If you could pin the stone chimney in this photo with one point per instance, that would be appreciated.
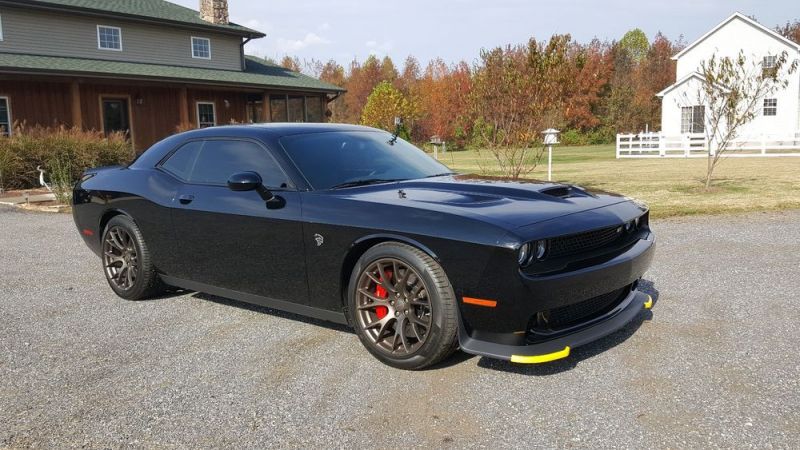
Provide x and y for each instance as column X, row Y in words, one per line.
column 214, row 11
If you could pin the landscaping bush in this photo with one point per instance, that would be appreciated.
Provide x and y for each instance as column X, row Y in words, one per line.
column 602, row 135
column 64, row 153
column 574, row 137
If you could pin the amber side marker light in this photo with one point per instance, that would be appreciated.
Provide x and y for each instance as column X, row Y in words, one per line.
column 649, row 303
column 480, row 302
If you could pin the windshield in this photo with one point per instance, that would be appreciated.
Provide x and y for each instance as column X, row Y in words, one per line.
column 340, row 159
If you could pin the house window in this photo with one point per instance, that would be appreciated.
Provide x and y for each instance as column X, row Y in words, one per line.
column 693, row 119
column 297, row 109
column 1, row 28
column 768, row 66
column 201, row 48
column 5, row 117
column 770, row 106
column 314, row 109
column 277, row 108
column 206, row 116
column 109, row 38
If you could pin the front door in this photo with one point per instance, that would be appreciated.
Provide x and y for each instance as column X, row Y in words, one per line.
column 115, row 116
column 230, row 239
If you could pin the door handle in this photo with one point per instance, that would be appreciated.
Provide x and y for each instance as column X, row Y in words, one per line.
column 185, row 199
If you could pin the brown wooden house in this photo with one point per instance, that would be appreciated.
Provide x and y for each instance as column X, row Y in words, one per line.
column 144, row 67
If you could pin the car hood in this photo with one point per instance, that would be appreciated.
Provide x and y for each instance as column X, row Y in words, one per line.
column 509, row 203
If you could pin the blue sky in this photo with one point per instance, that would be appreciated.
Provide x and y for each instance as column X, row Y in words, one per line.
column 458, row 29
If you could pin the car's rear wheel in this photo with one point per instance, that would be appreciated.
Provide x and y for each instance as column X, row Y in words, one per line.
column 126, row 259
column 403, row 306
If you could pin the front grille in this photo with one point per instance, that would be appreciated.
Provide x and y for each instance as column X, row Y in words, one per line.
column 584, row 242
column 577, row 313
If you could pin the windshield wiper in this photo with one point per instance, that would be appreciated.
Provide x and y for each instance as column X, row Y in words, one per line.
column 365, row 182
column 441, row 175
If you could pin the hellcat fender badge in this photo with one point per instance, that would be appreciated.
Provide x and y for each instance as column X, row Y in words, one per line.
column 319, row 239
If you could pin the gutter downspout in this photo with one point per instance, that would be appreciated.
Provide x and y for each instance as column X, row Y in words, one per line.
column 330, row 99
column 241, row 52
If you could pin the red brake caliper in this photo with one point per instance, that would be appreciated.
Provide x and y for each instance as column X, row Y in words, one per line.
column 380, row 292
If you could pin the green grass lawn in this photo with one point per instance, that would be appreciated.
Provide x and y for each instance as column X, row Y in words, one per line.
column 671, row 186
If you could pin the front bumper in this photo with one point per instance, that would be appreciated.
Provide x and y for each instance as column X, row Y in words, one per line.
column 560, row 347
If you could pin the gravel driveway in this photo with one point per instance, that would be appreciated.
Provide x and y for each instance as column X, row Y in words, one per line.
column 716, row 365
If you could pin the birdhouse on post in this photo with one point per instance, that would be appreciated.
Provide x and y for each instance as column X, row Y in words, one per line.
column 436, row 142
column 551, row 136
column 550, row 139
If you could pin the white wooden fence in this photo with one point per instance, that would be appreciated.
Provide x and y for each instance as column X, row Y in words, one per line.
column 657, row 145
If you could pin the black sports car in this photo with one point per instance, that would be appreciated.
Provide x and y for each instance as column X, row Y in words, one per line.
column 350, row 224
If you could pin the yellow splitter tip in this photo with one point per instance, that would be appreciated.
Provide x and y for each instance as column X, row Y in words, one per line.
column 538, row 359
column 649, row 303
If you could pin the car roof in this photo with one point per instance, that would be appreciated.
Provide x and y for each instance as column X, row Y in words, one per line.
column 265, row 132
column 274, row 130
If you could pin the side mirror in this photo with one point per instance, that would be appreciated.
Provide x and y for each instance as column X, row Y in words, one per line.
column 250, row 181
column 244, row 181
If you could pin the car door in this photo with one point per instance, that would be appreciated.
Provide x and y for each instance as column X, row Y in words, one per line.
column 236, row 240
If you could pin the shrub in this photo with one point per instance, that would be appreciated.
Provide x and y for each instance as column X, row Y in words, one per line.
column 574, row 137
column 9, row 163
column 61, row 180
column 603, row 135
column 63, row 152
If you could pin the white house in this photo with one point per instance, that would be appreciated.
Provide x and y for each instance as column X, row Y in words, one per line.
column 778, row 115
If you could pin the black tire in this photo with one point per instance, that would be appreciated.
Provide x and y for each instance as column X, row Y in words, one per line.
column 146, row 283
column 440, row 339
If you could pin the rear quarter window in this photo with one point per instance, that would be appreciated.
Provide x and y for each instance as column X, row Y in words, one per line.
column 182, row 162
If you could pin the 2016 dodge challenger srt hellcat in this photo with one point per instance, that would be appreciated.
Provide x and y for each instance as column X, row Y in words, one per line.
column 352, row 225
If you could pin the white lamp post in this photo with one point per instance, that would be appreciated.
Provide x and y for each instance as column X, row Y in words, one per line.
column 550, row 139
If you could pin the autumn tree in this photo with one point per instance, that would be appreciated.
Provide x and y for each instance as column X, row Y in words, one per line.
column 790, row 31
column 384, row 104
column 388, row 71
column 652, row 75
column 407, row 81
column 362, row 81
column 591, row 71
column 515, row 95
column 291, row 63
column 444, row 101
column 622, row 113
column 635, row 44
column 333, row 73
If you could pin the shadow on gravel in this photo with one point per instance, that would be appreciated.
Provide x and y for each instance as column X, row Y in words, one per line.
column 272, row 312
column 581, row 353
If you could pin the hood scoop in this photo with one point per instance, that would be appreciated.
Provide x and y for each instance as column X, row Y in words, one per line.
column 564, row 192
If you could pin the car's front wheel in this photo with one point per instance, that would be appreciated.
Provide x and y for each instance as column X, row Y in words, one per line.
column 402, row 306
column 126, row 259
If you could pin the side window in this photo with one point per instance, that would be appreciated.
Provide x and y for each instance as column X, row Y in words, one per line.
column 182, row 162
column 201, row 48
column 109, row 38
column 5, row 117
column 219, row 159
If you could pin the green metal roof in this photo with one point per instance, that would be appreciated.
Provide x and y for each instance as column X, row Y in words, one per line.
column 159, row 10
column 259, row 73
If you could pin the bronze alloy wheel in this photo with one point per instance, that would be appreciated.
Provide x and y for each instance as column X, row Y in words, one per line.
column 393, row 307
column 120, row 258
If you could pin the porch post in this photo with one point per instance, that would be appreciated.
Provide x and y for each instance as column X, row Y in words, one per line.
column 265, row 108
column 183, row 107
column 77, row 116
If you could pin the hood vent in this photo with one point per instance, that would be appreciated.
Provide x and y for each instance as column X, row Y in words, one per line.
column 562, row 192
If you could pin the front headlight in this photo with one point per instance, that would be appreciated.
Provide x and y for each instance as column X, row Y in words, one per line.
column 531, row 251
column 524, row 254
column 541, row 249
